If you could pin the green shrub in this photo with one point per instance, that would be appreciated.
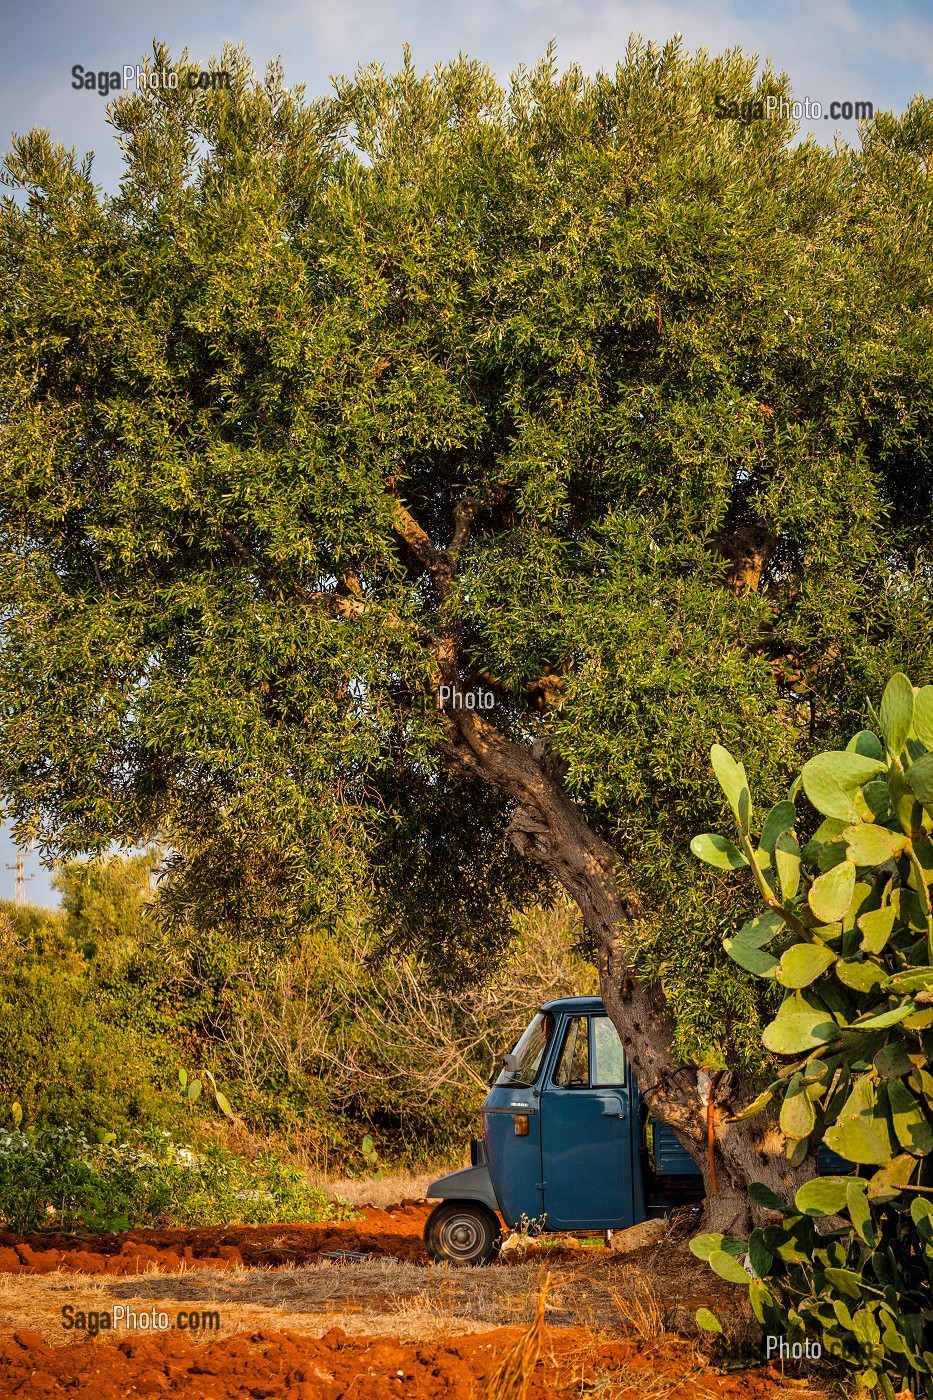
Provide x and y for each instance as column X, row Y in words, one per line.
column 848, row 933
column 64, row 1053
column 59, row 1180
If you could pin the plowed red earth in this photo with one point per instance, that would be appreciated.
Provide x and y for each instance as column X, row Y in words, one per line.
column 268, row 1365
column 395, row 1232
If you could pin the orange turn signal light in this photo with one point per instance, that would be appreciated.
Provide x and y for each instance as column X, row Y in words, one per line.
column 521, row 1124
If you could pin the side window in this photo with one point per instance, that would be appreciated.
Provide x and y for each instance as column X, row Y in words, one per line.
column 608, row 1055
column 573, row 1070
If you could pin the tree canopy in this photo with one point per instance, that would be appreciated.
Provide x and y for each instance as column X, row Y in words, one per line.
column 569, row 392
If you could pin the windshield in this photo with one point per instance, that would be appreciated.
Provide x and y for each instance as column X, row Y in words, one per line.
column 529, row 1052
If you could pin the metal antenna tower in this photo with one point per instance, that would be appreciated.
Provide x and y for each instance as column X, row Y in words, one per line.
column 20, row 878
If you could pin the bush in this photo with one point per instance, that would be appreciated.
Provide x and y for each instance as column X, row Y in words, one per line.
column 68, row 1053
column 59, row 1180
column 319, row 1046
column 332, row 1044
column 848, row 933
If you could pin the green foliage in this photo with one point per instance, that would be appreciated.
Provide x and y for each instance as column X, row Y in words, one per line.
column 108, row 901
column 77, row 1045
column 371, row 1156
column 853, row 943
column 357, row 1059
column 191, row 1090
column 707, row 1320
column 659, row 352
column 335, row 1043
column 91, row 1028
column 59, row 1180
column 863, row 1288
column 220, row 1099
column 854, row 940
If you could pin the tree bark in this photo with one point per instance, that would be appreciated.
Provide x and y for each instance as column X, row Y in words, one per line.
column 549, row 828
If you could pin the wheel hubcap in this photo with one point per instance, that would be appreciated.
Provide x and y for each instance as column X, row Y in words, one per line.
column 463, row 1235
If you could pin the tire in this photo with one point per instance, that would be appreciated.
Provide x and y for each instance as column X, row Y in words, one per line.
column 462, row 1233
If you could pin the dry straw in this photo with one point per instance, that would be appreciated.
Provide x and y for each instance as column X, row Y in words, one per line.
column 509, row 1381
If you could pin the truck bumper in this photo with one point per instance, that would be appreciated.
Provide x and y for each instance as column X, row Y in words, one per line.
column 471, row 1184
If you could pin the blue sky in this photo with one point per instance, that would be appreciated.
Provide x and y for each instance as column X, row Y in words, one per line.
column 837, row 50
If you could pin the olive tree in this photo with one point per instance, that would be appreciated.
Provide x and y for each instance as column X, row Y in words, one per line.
column 402, row 489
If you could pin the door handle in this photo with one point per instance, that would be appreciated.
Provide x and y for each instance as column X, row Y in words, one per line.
column 615, row 1108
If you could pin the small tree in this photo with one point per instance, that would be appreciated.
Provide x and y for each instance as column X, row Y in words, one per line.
column 848, row 933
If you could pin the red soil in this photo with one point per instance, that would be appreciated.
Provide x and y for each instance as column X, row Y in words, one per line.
column 268, row 1365
column 395, row 1231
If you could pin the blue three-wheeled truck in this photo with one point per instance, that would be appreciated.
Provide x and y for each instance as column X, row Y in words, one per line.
column 566, row 1144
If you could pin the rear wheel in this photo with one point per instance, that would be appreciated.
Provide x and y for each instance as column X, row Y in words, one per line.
column 462, row 1233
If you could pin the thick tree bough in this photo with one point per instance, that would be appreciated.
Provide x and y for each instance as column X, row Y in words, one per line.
column 548, row 827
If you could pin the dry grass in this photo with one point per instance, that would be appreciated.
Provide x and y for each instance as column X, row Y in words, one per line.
column 386, row 1289
column 383, row 1297
column 594, row 1296
column 388, row 1191
column 645, row 1298
column 34, row 1302
column 412, row 1303
column 624, row 1383
column 387, row 1297
column 641, row 1314
column 509, row 1381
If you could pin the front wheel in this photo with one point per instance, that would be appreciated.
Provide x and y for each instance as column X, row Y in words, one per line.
column 462, row 1233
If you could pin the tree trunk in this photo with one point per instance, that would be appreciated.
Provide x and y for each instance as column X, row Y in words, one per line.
column 549, row 828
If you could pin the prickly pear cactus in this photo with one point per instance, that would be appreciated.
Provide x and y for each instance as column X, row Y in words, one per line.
column 861, row 1292
column 847, row 930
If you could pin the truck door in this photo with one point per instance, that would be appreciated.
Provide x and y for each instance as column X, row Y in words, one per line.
column 586, row 1130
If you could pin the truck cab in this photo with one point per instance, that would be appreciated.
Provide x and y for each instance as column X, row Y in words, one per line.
column 567, row 1144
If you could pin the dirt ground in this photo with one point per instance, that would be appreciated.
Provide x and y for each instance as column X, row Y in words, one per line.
column 395, row 1232
column 354, row 1311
